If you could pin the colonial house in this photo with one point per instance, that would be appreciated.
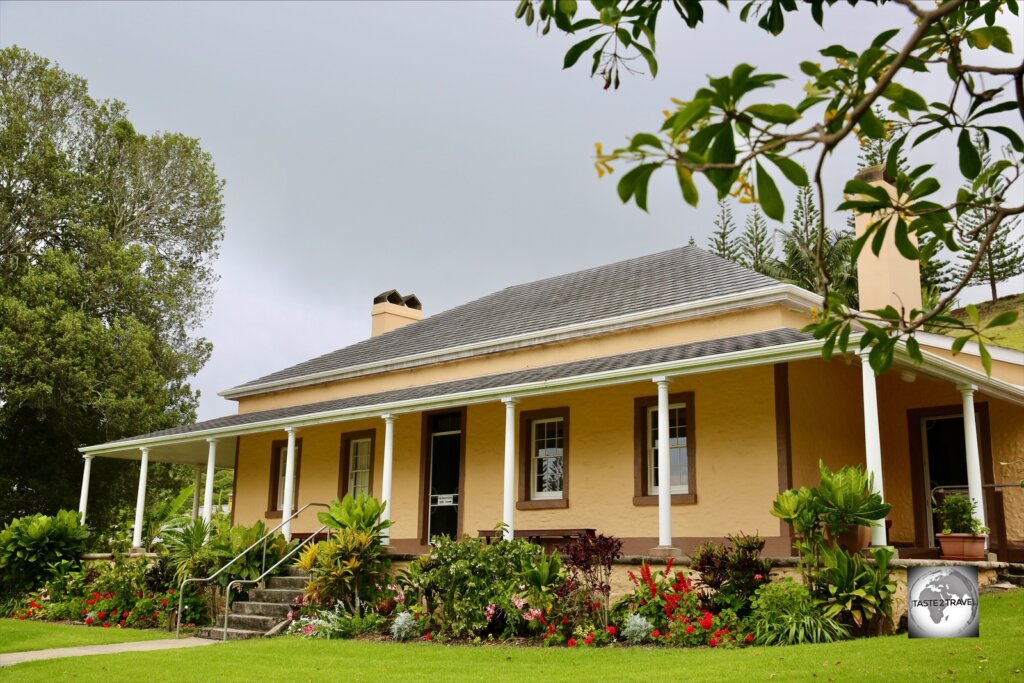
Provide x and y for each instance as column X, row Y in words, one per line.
column 561, row 404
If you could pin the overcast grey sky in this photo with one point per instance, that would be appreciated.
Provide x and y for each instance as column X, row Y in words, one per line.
column 436, row 148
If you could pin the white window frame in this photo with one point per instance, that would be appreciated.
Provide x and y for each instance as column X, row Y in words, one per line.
column 534, row 458
column 352, row 471
column 652, row 449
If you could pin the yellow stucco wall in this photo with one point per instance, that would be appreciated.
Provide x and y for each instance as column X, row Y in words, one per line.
column 827, row 418
column 736, row 465
column 715, row 327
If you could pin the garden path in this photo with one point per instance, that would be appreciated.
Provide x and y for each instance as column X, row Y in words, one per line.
column 112, row 648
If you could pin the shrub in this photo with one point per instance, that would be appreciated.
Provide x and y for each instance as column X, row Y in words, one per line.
column 30, row 545
column 637, row 629
column 658, row 596
column 588, row 561
column 730, row 574
column 853, row 591
column 785, row 614
column 405, row 626
column 468, row 588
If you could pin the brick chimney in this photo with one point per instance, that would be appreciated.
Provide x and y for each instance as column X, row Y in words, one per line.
column 391, row 310
column 888, row 279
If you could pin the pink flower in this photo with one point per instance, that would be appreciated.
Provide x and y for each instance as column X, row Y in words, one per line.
column 307, row 629
column 758, row 577
column 489, row 612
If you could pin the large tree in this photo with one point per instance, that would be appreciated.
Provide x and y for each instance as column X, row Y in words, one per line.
column 107, row 242
column 749, row 148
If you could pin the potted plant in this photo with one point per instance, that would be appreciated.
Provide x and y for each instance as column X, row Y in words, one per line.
column 963, row 535
column 849, row 506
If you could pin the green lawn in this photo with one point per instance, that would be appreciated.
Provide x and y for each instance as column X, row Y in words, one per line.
column 22, row 636
column 998, row 655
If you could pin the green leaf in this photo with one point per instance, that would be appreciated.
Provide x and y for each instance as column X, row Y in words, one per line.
column 687, row 185
column 990, row 36
column 871, row 125
column 1004, row 318
column 648, row 55
column 884, row 37
column 634, row 184
column 641, row 139
column 903, row 243
column 793, row 171
column 924, row 188
column 768, row 194
column 970, row 160
column 905, row 96
column 723, row 151
column 914, row 350
column 690, row 114
column 574, row 53
column 1011, row 135
column 972, row 313
column 986, row 358
column 892, row 159
column 960, row 342
column 773, row 113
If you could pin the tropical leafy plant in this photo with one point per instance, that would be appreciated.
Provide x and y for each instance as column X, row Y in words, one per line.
column 359, row 513
column 851, row 589
column 542, row 575
column 847, row 498
column 190, row 552
column 30, row 545
column 731, row 573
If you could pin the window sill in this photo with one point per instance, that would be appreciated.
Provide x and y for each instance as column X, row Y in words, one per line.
column 273, row 514
column 677, row 499
column 542, row 504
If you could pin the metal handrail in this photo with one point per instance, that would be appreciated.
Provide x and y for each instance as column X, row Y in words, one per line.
column 262, row 539
column 945, row 488
column 264, row 575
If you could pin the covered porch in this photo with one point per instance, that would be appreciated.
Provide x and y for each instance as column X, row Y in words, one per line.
column 756, row 412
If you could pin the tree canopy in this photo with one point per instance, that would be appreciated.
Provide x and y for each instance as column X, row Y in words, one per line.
column 744, row 144
column 107, row 243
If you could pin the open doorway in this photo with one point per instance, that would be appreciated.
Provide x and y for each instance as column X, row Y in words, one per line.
column 945, row 461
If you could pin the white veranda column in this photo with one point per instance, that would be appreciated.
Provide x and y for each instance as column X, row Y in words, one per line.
column 872, row 439
column 509, row 490
column 211, row 465
column 388, row 468
column 971, row 446
column 140, row 501
column 195, row 492
column 289, row 485
column 83, row 500
column 664, row 467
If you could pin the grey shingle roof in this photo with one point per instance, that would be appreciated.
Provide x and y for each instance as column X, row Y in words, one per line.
column 506, row 379
column 682, row 275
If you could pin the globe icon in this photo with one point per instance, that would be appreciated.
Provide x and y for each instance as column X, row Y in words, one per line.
column 943, row 602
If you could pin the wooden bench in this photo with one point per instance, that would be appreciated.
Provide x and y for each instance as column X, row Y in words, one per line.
column 545, row 537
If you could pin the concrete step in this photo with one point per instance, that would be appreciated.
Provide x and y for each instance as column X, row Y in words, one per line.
column 211, row 633
column 1016, row 579
column 297, row 583
column 282, row 596
column 263, row 609
column 293, row 571
column 249, row 622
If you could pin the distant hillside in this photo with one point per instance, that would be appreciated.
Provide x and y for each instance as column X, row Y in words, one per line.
column 1011, row 336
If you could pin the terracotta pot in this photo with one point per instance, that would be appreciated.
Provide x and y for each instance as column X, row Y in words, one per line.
column 968, row 547
column 855, row 539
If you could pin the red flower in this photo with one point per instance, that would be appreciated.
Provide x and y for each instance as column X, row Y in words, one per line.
column 95, row 595
column 22, row 617
column 33, row 604
column 542, row 619
column 690, row 628
column 758, row 577
column 121, row 623
column 713, row 642
column 545, row 636
column 749, row 638
column 572, row 642
column 656, row 633
column 170, row 591
column 156, row 615
column 106, row 596
column 124, row 614
column 565, row 620
column 106, row 625
column 427, row 636
column 101, row 615
column 551, row 628
column 163, row 603
column 85, row 611
column 88, row 621
column 612, row 630
column 90, row 602
column 588, row 640
column 138, row 594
